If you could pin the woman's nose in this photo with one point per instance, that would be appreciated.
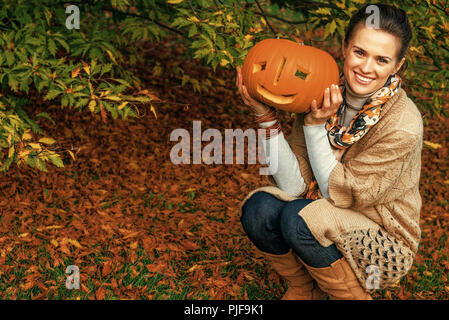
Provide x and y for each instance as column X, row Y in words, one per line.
column 367, row 66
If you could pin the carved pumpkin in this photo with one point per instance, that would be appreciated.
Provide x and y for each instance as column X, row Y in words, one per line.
column 288, row 75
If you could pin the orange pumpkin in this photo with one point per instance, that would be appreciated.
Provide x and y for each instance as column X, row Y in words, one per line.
column 288, row 75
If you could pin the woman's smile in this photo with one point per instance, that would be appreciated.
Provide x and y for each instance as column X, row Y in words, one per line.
column 362, row 80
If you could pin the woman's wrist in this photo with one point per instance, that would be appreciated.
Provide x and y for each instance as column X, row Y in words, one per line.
column 261, row 109
column 268, row 122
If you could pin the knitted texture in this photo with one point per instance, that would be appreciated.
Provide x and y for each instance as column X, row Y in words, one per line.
column 383, row 259
column 375, row 187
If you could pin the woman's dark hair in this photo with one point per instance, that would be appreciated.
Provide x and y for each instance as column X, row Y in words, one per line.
column 391, row 19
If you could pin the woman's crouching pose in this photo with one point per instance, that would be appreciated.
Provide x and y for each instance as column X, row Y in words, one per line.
column 341, row 216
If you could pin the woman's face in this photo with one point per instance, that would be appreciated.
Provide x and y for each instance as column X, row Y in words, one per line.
column 370, row 58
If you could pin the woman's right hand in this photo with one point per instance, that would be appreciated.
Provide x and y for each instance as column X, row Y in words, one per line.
column 257, row 106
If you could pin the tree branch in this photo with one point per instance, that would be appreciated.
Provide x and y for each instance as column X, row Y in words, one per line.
column 281, row 19
column 263, row 14
column 126, row 14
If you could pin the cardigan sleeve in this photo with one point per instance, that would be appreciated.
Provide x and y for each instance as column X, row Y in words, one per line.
column 376, row 174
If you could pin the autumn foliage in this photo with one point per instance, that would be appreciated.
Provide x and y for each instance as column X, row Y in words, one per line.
column 99, row 104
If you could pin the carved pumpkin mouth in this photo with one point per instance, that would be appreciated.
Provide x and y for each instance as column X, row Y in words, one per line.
column 279, row 99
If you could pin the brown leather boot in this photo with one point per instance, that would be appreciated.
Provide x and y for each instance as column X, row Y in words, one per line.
column 339, row 281
column 301, row 285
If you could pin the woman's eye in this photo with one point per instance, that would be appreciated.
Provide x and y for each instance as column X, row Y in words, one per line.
column 381, row 60
column 359, row 52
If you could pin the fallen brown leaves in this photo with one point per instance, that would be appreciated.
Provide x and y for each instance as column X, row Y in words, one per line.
column 123, row 196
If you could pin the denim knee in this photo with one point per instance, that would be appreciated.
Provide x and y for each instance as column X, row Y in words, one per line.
column 298, row 236
column 258, row 210
column 294, row 229
column 260, row 220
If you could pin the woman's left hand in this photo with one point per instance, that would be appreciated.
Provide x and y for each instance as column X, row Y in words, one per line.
column 331, row 102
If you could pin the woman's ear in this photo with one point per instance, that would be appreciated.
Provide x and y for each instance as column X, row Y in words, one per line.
column 398, row 66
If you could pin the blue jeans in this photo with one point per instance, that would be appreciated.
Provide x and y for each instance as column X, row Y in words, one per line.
column 274, row 226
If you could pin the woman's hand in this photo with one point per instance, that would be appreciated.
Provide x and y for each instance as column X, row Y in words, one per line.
column 257, row 107
column 331, row 102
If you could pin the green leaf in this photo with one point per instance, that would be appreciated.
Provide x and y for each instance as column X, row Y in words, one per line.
column 52, row 94
column 46, row 116
column 56, row 160
column 52, row 47
column 193, row 30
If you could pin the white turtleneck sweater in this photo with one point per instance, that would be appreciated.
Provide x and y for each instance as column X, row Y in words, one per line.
column 321, row 157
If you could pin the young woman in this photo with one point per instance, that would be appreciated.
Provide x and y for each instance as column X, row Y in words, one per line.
column 341, row 217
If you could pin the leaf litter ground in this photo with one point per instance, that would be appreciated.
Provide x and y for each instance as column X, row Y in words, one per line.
column 140, row 227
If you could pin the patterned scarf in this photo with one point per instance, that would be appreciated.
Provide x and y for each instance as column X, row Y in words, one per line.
column 341, row 137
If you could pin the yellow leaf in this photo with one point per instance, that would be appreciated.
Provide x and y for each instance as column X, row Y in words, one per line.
column 446, row 181
column 190, row 189
column 193, row 19
column 11, row 151
column 26, row 135
column 432, row 145
column 427, row 273
column 47, row 140
column 73, row 242
column 341, row 5
column 111, row 56
column 71, row 154
column 23, row 235
column 105, row 93
column 154, row 111
column 429, row 31
column 49, row 227
column 174, row 1
column 113, row 98
column 122, row 105
column 248, row 37
column 92, row 105
column 36, row 146
column 54, row 242
column 76, row 72
column 24, row 154
column 224, row 62
column 86, row 68
column 324, row 11
column 228, row 55
column 53, row 227
column 192, row 268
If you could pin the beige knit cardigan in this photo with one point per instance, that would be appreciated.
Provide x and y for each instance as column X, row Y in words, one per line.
column 372, row 214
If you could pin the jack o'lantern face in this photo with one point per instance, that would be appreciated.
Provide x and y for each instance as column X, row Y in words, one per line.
column 288, row 75
column 281, row 74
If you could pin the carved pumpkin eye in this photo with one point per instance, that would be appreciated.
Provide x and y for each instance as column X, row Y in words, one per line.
column 301, row 75
column 259, row 66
